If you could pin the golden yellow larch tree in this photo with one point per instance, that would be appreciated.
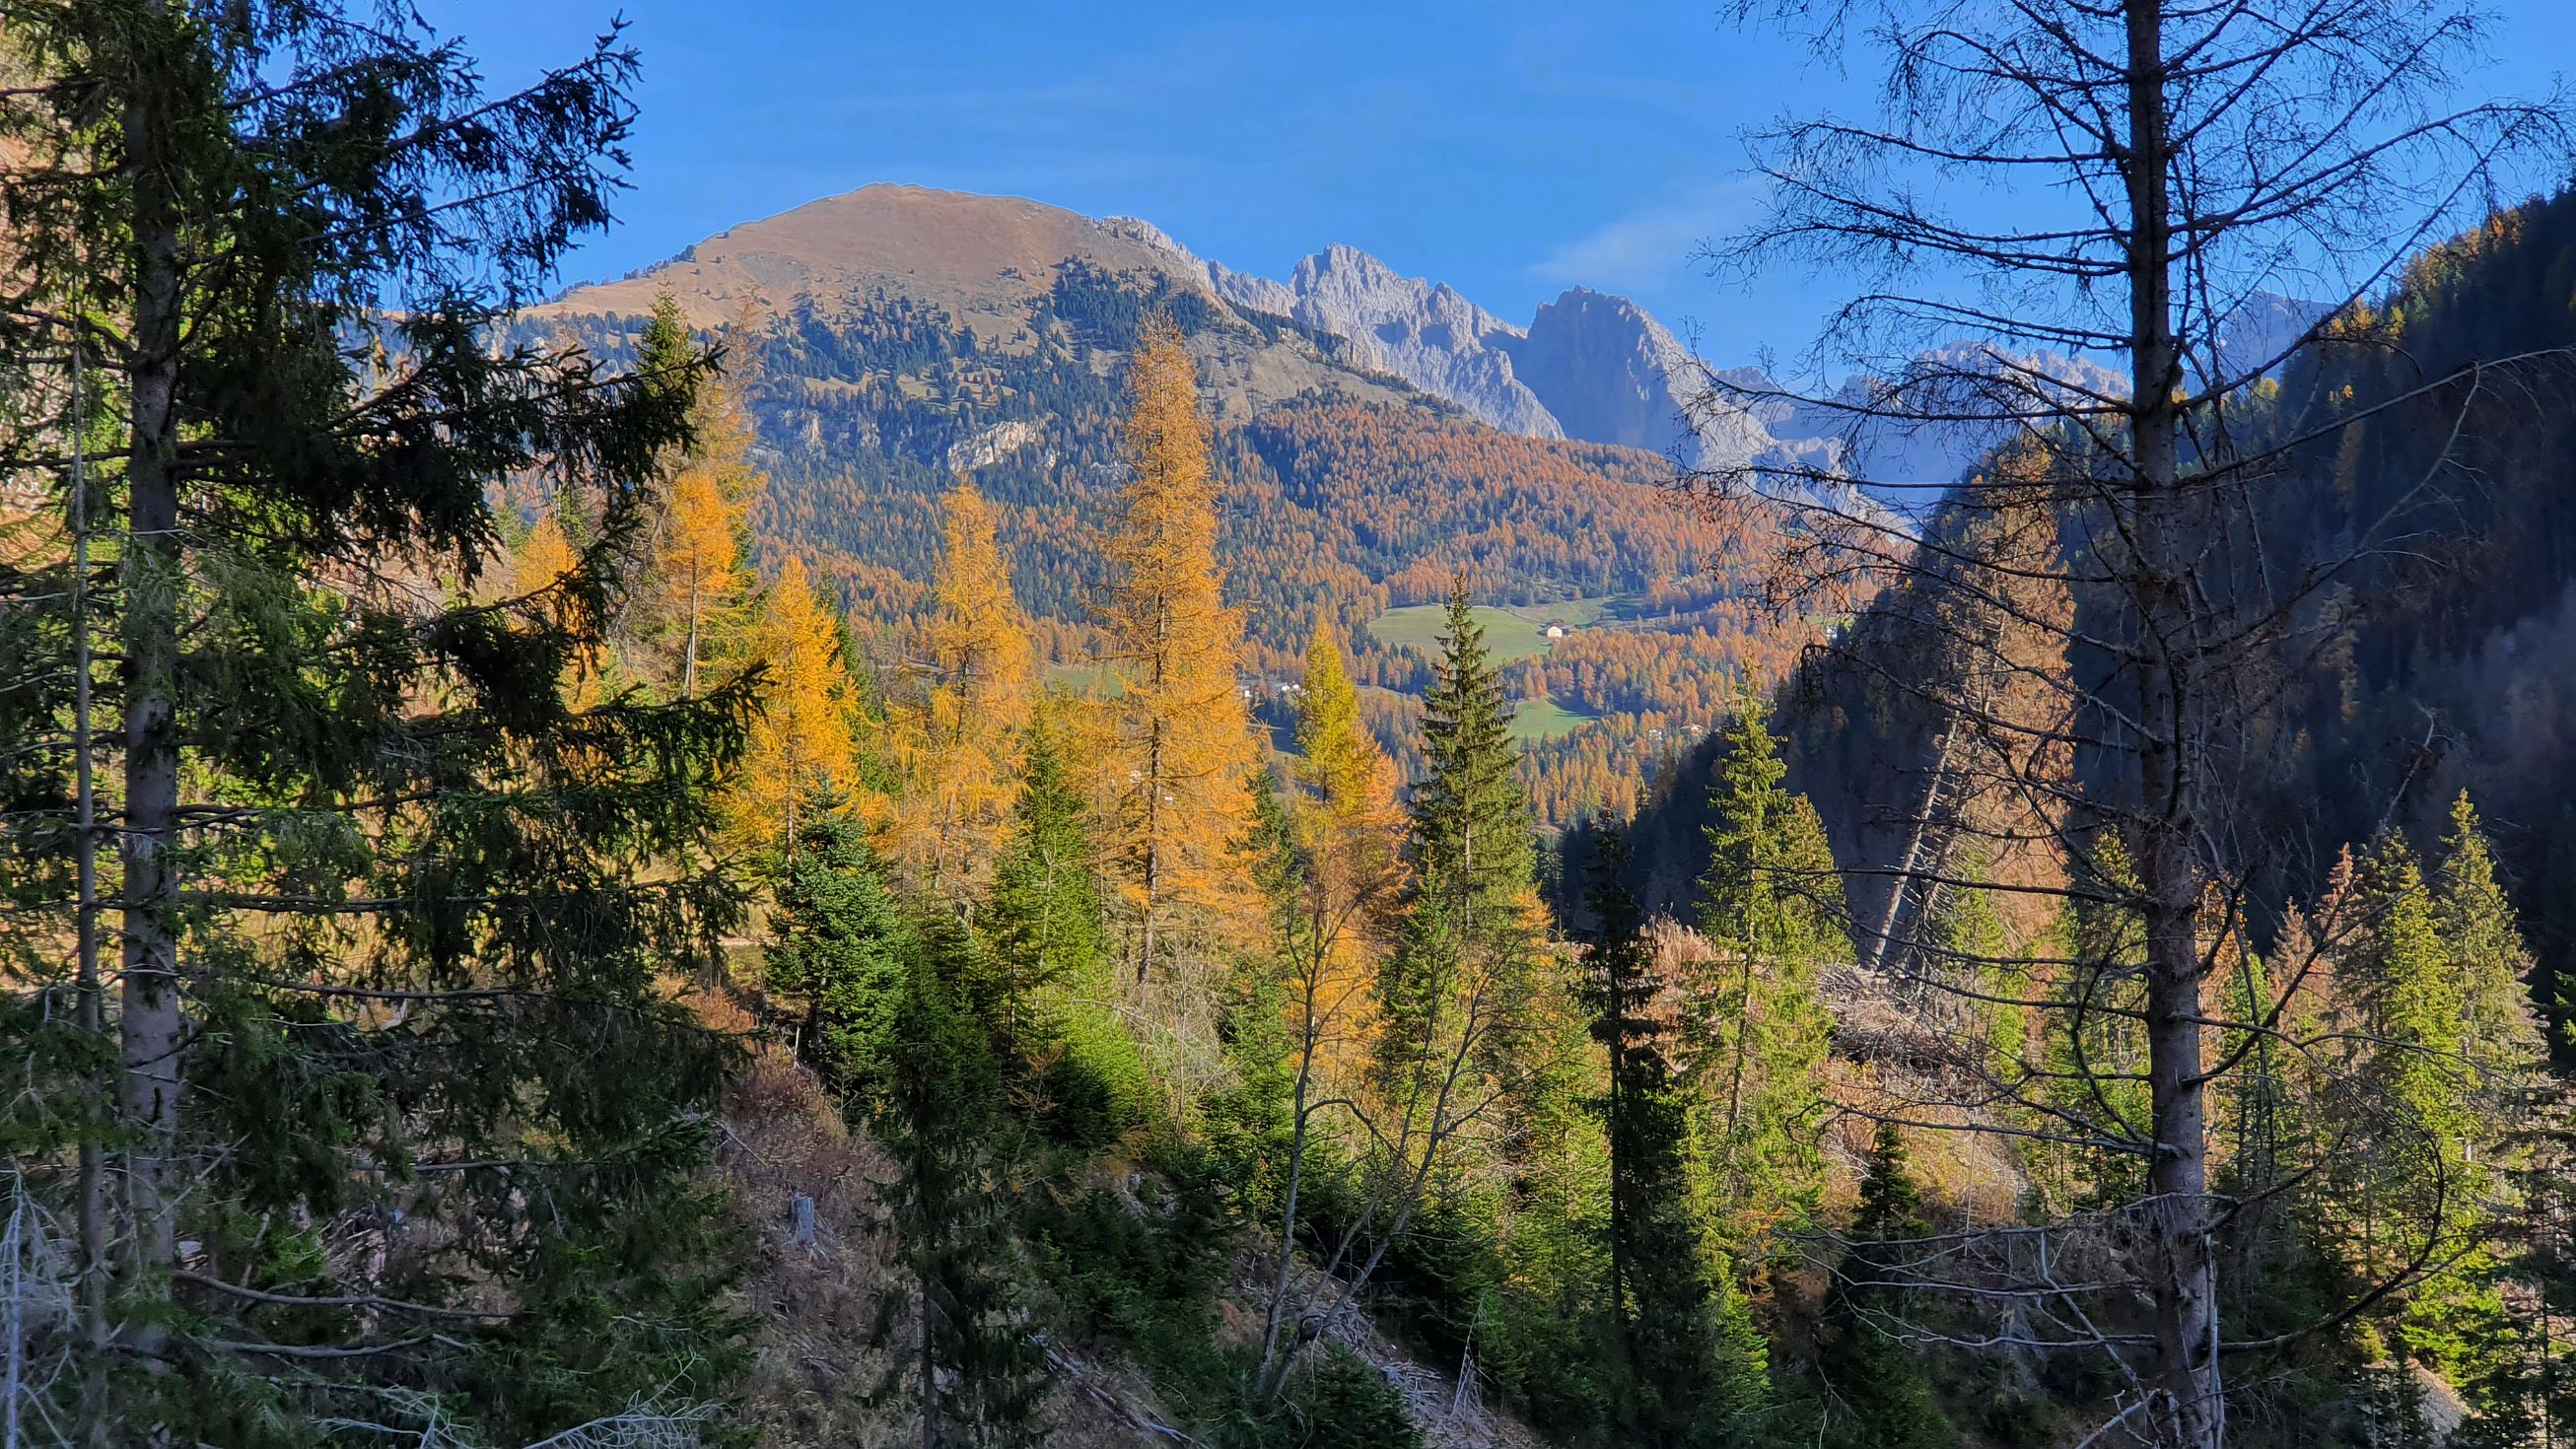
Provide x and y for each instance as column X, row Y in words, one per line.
column 1335, row 893
column 698, row 565
column 1348, row 811
column 1185, row 741
column 1352, row 828
column 699, row 595
column 957, row 742
column 541, row 558
column 538, row 565
column 803, row 746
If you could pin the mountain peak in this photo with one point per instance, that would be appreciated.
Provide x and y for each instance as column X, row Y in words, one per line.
column 1343, row 257
column 1593, row 366
column 1421, row 331
column 973, row 255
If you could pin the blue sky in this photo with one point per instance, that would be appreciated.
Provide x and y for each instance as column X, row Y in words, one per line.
column 1510, row 148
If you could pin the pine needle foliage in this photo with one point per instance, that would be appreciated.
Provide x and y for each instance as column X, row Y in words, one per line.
column 1471, row 818
column 839, row 952
column 1769, row 907
column 1877, row 1392
column 1676, row 1381
column 698, row 591
column 1045, row 928
column 975, row 1371
column 958, row 737
column 803, row 747
column 403, row 1116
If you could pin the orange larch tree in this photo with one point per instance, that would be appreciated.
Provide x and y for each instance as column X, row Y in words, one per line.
column 542, row 558
column 1351, row 828
column 803, row 747
column 699, row 595
column 1185, row 740
column 957, row 741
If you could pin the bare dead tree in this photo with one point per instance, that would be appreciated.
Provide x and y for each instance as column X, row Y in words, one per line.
column 2056, row 218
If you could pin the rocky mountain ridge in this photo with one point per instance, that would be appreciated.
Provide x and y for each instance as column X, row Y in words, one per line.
column 1599, row 368
column 1589, row 367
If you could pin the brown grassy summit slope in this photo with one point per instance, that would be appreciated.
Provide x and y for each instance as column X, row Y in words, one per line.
column 980, row 257
column 995, row 267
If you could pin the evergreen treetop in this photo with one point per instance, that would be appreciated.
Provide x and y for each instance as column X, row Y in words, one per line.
column 841, row 943
column 1471, row 817
column 2503, row 1036
column 1769, row 907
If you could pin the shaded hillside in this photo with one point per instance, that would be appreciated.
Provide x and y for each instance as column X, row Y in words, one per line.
column 2462, row 670
column 2458, row 669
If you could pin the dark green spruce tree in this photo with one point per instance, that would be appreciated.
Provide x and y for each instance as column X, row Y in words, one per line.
column 1877, row 1395
column 1676, row 1381
column 1770, row 907
column 840, row 952
column 973, row 1376
column 1050, row 957
column 1454, row 995
column 1473, row 837
column 1044, row 911
column 359, row 985
column 897, row 1006
column 1468, row 949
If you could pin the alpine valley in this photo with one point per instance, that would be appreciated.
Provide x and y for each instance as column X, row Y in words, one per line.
column 940, row 822
column 1379, row 433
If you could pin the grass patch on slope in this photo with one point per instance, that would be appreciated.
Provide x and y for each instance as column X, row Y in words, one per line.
column 1545, row 719
column 1417, row 627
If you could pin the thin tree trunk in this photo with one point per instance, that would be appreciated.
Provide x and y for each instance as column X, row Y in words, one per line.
column 2180, row 1257
column 1286, row 1261
column 1437, row 1136
column 92, row 1010
column 1620, row 1144
column 151, row 1025
column 689, row 661
column 1153, row 840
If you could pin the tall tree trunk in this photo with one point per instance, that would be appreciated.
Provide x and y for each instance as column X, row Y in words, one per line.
column 1287, row 1259
column 151, row 1025
column 87, row 980
column 1620, row 1131
column 2178, row 1256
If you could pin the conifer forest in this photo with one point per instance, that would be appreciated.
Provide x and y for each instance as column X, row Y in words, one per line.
column 937, row 822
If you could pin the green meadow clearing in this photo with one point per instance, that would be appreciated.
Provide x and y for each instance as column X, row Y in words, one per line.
column 1417, row 627
column 1511, row 630
column 1534, row 720
column 1510, row 633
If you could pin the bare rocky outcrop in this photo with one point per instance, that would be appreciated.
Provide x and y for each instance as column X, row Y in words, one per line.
column 1421, row 331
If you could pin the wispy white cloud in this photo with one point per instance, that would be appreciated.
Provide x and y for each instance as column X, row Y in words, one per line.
column 1653, row 245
